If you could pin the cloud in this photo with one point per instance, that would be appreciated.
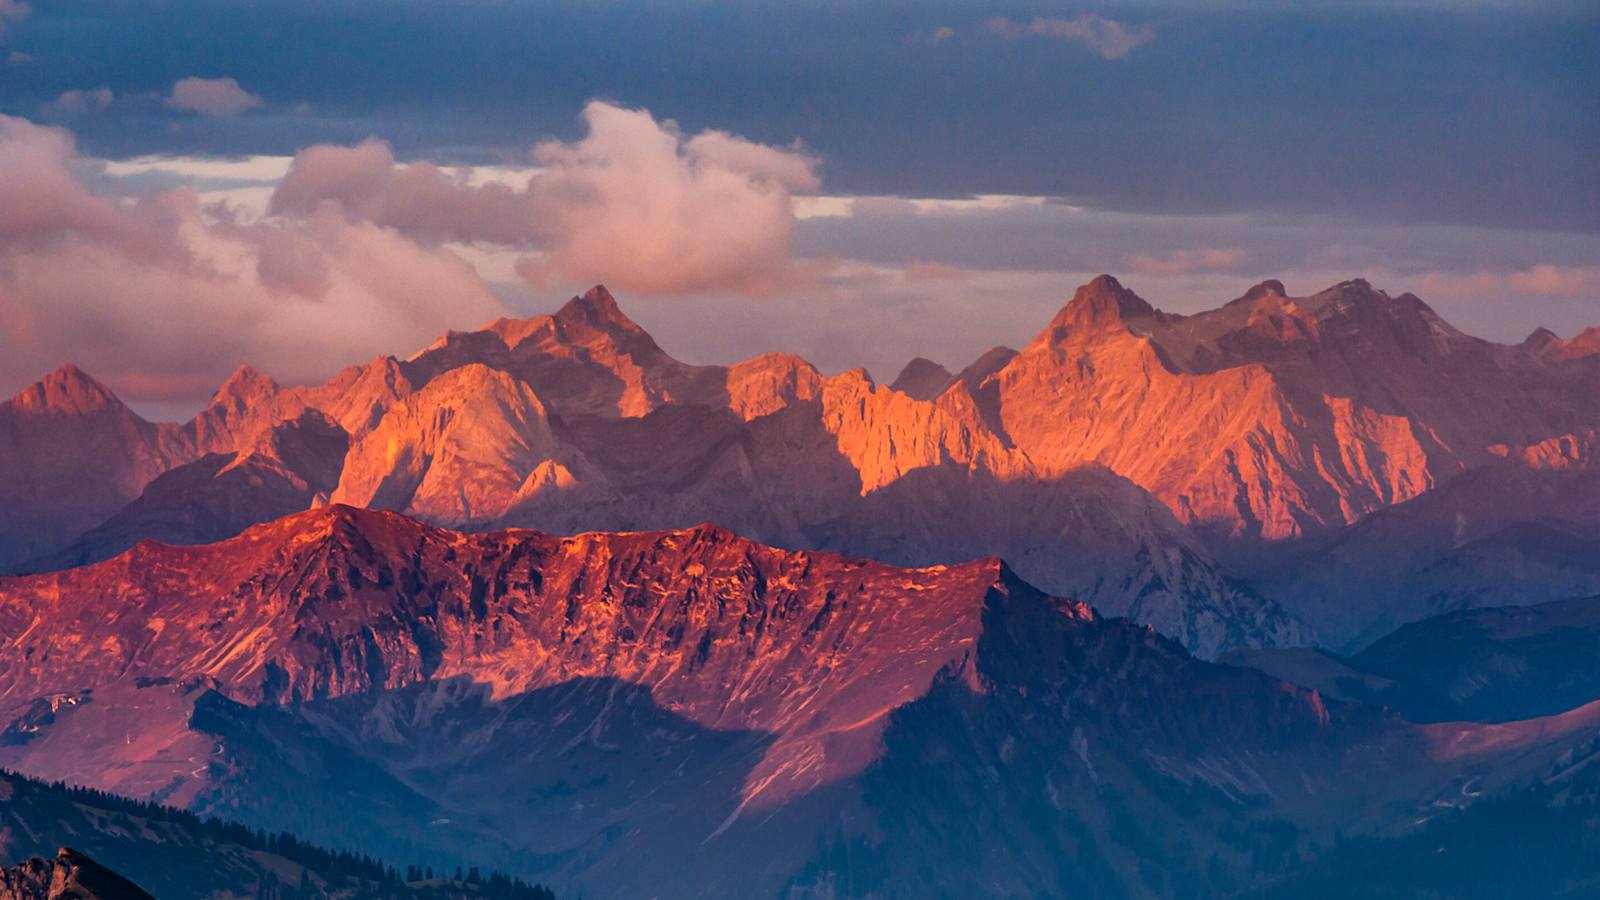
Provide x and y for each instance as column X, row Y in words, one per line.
column 211, row 96
column 933, row 37
column 635, row 203
column 163, row 299
column 43, row 203
column 18, row 58
column 791, row 167
column 85, row 101
column 1557, row 281
column 1108, row 37
column 881, row 207
column 1543, row 280
column 923, row 270
column 1194, row 259
column 12, row 9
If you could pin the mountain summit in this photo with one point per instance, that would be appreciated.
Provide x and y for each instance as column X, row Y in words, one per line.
column 67, row 391
column 1102, row 303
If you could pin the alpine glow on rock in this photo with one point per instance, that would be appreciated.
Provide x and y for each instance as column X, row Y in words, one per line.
column 869, row 542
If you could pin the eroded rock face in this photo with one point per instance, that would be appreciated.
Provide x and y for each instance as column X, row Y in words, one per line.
column 1275, row 417
column 340, row 601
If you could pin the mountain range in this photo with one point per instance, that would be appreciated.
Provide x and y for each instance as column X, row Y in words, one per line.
column 1158, row 605
column 1217, row 476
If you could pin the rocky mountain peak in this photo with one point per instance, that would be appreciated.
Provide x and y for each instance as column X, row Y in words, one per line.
column 1540, row 337
column 922, row 378
column 246, row 383
column 1354, row 293
column 1272, row 287
column 596, row 309
column 1585, row 343
column 1097, row 306
column 68, row 390
column 1544, row 342
column 242, row 410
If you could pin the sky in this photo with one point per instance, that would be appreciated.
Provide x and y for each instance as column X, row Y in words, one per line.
column 188, row 186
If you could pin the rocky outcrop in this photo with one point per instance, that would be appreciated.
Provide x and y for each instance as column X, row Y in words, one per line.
column 342, row 601
column 69, row 876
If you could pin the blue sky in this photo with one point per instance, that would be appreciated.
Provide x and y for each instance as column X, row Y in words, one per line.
column 1421, row 144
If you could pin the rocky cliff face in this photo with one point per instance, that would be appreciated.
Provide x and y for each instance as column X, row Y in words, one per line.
column 1274, row 417
column 730, row 634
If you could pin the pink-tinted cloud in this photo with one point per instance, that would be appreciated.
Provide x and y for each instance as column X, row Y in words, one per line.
column 1184, row 262
column 42, row 202
column 634, row 203
column 637, row 204
column 1557, row 281
column 162, row 300
column 211, row 97
column 791, row 167
column 85, row 101
column 1108, row 37
column 419, row 198
column 1544, row 279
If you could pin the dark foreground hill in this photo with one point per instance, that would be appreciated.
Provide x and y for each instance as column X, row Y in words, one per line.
column 176, row 854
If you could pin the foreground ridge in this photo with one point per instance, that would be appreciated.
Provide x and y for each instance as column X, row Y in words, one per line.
column 69, row 876
column 178, row 853
column 607, row 708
